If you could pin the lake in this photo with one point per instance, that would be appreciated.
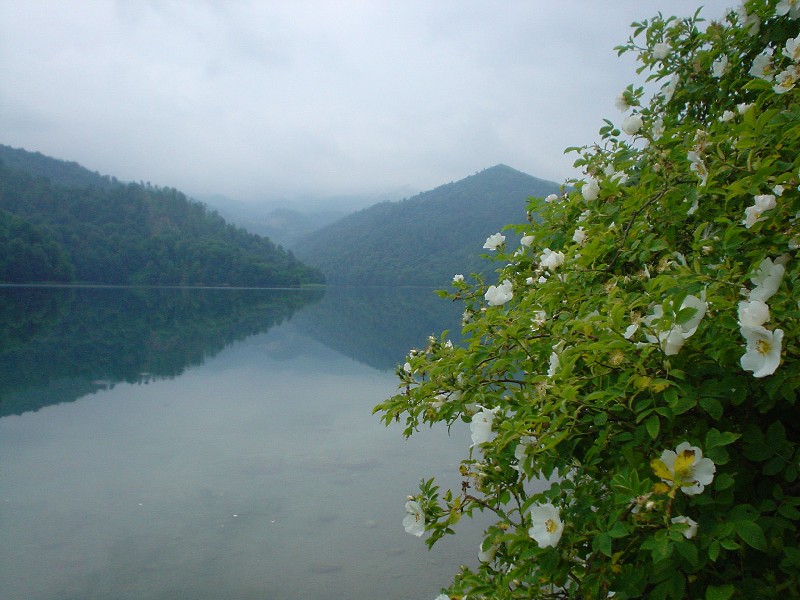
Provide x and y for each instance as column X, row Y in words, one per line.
column 179, row 444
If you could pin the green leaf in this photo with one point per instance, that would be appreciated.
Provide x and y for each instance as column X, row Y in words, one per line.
column 752, row 534
column 719, row 592
column 653, row 425
column 712, row 406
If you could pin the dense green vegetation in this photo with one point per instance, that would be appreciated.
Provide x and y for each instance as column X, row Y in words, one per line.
column 426, row 239
column 58, row 344
column 631, row 376
column 97, row 230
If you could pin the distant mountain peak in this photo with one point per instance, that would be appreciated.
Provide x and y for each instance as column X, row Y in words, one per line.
column 427, row 238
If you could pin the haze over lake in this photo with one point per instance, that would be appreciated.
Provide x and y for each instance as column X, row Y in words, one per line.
column 203, row 444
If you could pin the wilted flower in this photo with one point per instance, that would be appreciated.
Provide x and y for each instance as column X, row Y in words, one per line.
column 763, row 352
column 719, row 66
column 778, row 189
column 547, row 525
column 494, row 240
column 497, row 295
column 632, row 124
column 414, row 521
column 685, row 468
column 691, row 526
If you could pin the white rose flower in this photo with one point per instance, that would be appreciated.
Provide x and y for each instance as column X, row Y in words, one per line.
column 494, row 240
column 590, row 189
column 763, row 352
column 414, row 522
column 761, row 204
column 785, row 80
column 691, row 526
column 762, row 66
column 788, row 7
column 661, row 50
column 767, row 280
column 551, row 260
column 481, row 426
column 668, row 90
column 728, row 115
column 632, row 124
column 671, row 341
column 553, row 366
column 719, row 66
column 551, row 198
column 579, row 237
column 792, row 49
column 686, row 468
column 458, row 278
column 753, row 313
column 547, row 525
column 621, row 103
column 497, row 295
column 526, row 240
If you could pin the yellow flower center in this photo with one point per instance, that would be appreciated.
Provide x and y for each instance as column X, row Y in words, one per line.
column 762, row 347
column 550, row 526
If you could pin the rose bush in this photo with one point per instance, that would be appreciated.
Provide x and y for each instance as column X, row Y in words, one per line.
column 632, row 377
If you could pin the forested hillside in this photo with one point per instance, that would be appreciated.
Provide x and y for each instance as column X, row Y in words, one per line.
column 93, row 229
column 425, row 239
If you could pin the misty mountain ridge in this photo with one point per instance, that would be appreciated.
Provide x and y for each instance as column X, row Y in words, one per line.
column 288, row 220
column 425, row 239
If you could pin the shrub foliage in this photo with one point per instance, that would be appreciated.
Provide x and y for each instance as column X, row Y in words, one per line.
column 630, row 379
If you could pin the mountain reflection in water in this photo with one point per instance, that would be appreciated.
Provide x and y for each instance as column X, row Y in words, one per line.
column 205, row 444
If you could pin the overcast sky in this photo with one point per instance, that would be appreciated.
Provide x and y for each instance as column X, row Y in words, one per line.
column 287, row 99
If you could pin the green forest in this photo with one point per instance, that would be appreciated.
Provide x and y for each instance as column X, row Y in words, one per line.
column 426, row 239
column 62, row 223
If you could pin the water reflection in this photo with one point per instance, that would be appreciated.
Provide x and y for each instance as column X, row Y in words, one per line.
column 378, row 326
column 59, row 344
column 259, row 472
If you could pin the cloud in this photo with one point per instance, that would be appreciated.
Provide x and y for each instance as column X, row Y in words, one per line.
column 266, row 99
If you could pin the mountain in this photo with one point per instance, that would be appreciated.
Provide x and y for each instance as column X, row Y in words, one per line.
column 427, row 238
column 287, row 220
column 282, row 225
column 60, row 222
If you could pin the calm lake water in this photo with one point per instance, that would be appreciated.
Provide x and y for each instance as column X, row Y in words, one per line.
column 215, row 444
